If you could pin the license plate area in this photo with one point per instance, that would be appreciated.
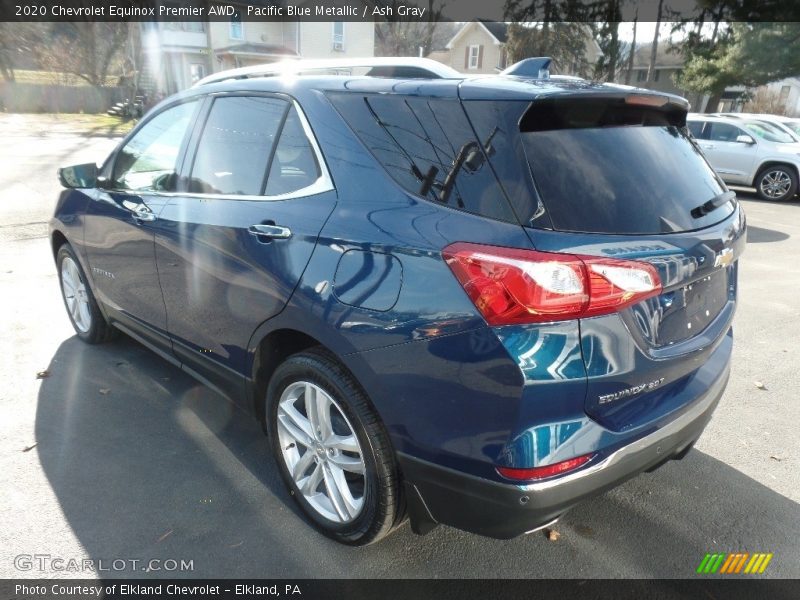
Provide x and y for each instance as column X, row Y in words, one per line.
column 690, row 309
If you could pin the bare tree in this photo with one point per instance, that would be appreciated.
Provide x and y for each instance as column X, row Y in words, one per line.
column 396, row 37
column 18, row 40
column 632, row 51
column 83, row 49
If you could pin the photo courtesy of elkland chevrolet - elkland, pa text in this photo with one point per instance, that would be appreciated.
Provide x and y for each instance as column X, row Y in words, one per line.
column 415, row 299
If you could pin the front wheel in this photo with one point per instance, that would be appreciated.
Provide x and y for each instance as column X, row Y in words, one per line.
column 776, row 183
column 332, row 450
column 82, row 308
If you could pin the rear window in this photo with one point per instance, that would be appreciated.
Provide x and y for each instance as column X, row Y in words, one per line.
column 603, row 166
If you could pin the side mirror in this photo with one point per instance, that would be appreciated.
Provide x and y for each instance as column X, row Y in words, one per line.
column 745, row 139
column 78, row 176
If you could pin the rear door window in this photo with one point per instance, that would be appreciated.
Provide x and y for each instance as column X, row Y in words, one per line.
column 236, row 145
column 604, row 166
column 294, row 165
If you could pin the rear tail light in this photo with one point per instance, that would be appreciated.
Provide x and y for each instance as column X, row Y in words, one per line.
column 510, row 285
column 559, row 468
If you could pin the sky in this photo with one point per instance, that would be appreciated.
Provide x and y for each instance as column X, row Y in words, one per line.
column 646, row 29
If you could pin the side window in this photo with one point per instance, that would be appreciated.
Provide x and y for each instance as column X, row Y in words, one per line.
column 148, row 160
column 722, row 132
column 236, row 144
column 294, row 165
column 696, row 128
column 427, row 145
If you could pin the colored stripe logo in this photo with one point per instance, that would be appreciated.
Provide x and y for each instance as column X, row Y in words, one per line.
column 734, row 563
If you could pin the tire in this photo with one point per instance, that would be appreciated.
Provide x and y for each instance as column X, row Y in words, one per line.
column 341, row 502
column 88, row 321
column 777, row 183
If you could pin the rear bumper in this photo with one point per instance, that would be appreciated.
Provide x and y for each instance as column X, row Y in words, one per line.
column 437, row 494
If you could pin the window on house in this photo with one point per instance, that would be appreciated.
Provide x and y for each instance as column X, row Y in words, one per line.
column 338, row 36
column 657, row 74
column 784, row 95
column 502, row 59
column 641, row 75
column 473, row 57
column 197, row 71
column 190, row 26
column 237, row 28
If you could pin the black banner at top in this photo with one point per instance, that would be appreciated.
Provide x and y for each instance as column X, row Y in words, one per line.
column 392, row 10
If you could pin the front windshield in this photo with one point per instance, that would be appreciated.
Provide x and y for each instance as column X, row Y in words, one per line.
column 767, row 132
column 793, row 125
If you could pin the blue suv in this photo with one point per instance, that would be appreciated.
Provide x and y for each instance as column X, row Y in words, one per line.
column 472, row 302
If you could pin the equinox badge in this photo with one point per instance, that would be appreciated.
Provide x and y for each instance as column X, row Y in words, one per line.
column 628, row 392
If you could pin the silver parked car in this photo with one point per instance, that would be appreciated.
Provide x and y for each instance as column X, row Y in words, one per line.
column 788, row 124
column 749, row 152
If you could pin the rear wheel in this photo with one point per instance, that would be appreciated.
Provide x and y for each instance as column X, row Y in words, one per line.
column 332, row 450
column 777, row 183
column 82, row 308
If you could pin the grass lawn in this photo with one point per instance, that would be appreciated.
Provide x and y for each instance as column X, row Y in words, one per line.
column 64, row 123
column 54, row 78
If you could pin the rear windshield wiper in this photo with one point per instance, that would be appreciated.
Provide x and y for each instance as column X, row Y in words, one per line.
column 713, row 204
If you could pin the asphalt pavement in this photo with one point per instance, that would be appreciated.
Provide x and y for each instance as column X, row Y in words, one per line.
column 115, row 455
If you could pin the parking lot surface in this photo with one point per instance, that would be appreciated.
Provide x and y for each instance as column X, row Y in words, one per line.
column 116, row 455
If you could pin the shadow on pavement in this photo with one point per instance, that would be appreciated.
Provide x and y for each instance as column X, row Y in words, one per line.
column 148, row 464
column 760, row 235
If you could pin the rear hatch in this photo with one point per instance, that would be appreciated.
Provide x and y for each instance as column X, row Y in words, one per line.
column 614, row 174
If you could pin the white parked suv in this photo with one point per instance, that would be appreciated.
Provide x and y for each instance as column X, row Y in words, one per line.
column 749, row 152
column 787, row 124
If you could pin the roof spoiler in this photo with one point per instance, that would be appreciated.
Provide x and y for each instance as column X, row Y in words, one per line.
column 534, row 68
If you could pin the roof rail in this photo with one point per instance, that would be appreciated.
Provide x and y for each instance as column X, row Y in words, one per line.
column 399, row 67
column 535, row 68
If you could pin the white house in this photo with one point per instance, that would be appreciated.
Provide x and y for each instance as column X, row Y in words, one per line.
column 179, row 54
column 479, row 46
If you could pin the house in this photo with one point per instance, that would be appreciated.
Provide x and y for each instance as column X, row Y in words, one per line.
column 669, row 62
column 178, row 54
column 785, row 95
column 479, row 46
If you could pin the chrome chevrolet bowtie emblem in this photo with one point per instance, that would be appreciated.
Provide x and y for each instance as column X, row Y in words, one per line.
column 724, row 258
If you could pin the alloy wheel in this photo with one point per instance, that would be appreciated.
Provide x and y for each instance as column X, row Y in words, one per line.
column 321, row 452
column 76, row 295
column 775, row 183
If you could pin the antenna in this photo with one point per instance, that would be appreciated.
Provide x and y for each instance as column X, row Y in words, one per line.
column 534, row 68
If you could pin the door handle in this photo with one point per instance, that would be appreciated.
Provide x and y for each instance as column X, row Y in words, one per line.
column 270, row 231
column 709, row 146
column 143, row 213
